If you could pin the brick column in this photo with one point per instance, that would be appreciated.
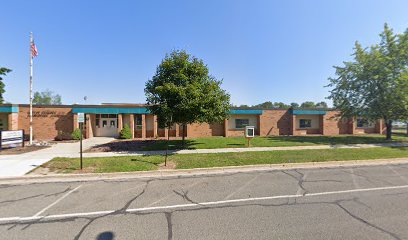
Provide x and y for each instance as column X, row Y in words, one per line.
column 379, row 127
column 226, row 128
column 352, row 125
column 75, row 123
column 166, row 132
column 259, row 125
column 88, row 126
column 155, row 126
column 293, row 125
column 132, row 124
column 12, row 121
column 177, row 130
column 322, row 120
column 120, row 122
column 143, row 126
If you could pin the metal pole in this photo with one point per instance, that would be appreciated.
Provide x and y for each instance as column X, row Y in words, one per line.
column 31, row 90
column 80, row 145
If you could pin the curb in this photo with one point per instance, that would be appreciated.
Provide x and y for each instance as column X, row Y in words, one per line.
column 196, row 171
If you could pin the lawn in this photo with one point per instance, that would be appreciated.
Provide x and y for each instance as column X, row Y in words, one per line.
column 188, row 161
column 272, row 141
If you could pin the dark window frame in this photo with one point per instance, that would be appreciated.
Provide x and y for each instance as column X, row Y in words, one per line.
column 240, row 123
column 305, row 123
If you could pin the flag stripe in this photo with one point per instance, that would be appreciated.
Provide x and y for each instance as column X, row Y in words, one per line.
column 34, row 51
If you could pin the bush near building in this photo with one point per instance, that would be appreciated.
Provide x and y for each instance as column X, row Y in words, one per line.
column 126, row 133
column 76, row 134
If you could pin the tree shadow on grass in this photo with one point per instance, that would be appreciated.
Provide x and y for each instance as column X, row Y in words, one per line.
column 145, row 161
column 143, row 145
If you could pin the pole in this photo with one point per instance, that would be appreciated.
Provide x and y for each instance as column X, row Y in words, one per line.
column 168, row 139
column 80, row 146
column 31, row 90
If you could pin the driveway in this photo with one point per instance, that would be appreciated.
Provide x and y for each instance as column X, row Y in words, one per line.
column 18, row 165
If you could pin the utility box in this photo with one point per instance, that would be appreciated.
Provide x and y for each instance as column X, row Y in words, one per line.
column 249, row 131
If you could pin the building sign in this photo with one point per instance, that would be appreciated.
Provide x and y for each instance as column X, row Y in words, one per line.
column 249, row 131
column 47, row 114
column 11, row 137
column 81, row 117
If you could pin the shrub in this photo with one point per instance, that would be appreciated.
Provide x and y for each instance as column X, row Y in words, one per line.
column 76, row 134
column 60, row 136
column 126, row 133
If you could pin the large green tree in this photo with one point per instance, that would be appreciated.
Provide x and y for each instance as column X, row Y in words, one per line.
column 46, row 97
column 374, row 84
column 3, row 72
column 182, row 91
column 308, row 104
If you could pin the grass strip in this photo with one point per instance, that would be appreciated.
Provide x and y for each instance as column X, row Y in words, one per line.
column 189, row 161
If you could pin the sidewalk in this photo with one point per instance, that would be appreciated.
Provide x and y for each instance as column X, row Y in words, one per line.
column 18, row 165
column 232, row 150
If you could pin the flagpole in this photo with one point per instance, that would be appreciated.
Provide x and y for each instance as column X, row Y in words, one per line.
column 31, row 90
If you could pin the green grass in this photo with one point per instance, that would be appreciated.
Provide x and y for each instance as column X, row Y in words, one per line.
column 188, row 161
column 273, row 141
column 294, row 156
column 105, row 164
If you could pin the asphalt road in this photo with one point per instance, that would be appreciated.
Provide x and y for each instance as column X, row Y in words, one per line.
column 329, row 203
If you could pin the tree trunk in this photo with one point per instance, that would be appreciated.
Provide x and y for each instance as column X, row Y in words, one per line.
column 184, row 135
column 388, row 125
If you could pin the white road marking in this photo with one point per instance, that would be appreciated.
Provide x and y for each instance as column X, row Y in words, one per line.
column 57, row 201
column 242, row 187
column 398, row 174
column 353, row 176
column 215, row 203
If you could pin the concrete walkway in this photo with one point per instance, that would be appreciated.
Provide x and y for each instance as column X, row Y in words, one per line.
column 18, row 165
column 252, row 149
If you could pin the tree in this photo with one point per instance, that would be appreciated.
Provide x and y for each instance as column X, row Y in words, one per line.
column 3, row 72
column 46, row 97
column 374, row 85
column 308, row 104
column 264, row 105
column 280, row 105
column 294, row 105
column 182, row 91
column 321, row 105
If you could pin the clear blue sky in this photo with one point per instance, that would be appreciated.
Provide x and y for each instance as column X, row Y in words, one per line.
column 263, row 50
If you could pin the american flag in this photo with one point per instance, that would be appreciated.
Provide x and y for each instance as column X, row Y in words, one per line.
column 34, row 51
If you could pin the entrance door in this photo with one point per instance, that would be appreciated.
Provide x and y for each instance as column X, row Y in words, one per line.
column 106, row 125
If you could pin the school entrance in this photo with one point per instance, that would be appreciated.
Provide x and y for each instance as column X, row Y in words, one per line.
column 106, row 125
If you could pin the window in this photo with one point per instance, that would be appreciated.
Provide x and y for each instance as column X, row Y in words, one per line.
column 138, row 122
column 241, row 123
column 364, row 123
column 112, row 123
column 305, row 123
column 104, row 123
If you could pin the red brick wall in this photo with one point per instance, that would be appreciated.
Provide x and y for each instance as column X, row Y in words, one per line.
column 47, row 121
column 333, row 124
column 205, row 130
column 275, row 122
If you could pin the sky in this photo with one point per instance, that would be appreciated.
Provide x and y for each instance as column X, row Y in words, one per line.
column 279, row 51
